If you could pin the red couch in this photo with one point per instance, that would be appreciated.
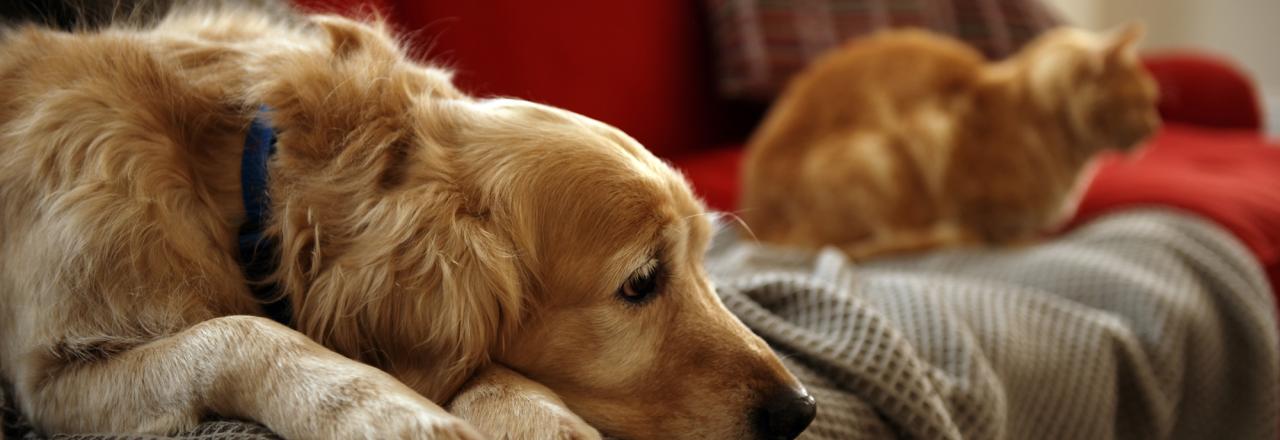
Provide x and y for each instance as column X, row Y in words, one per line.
column 645, row 67
column 642, row 66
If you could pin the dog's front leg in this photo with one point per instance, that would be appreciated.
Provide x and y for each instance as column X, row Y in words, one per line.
column 504, row 404
column 237, row 366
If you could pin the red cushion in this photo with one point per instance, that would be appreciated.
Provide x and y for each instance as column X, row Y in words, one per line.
column 642, row 66
column 713, row 173
column 1229, row 176
column 639, row 65
column 1200, row 89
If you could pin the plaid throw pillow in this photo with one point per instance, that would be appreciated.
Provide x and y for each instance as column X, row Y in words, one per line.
column 761, row 43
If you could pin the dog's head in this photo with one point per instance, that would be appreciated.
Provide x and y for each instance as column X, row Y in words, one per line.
column 622, row 322
column 429, row 233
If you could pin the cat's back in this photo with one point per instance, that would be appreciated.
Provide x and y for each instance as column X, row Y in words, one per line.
column 906, row 64
column 859, row 141
column 870, row 83
column 890, row 84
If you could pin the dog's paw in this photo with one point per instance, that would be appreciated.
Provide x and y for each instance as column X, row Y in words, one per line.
column 521, row 417
column 553, row 423
column 394, row 418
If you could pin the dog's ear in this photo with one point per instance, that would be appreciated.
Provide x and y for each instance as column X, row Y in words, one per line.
column 412, row 282
column 349, row 38
column 323, row 102
column 410, row 277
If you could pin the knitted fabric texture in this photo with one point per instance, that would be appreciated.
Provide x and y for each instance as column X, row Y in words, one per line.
column 1144, row 324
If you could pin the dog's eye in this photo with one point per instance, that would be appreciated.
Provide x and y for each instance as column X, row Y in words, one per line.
column 643, row 284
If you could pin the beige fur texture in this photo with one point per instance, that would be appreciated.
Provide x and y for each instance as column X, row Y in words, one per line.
column 539, row 269
column 907, row 140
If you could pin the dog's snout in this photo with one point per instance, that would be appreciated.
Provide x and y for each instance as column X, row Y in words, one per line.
column 785, row 414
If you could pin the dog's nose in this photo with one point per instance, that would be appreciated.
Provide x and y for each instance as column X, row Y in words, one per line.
column 786, row 414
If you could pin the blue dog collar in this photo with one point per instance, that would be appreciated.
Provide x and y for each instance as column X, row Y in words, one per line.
column 258, row 252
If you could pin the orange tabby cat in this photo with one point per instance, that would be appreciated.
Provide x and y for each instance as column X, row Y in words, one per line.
column 908, row 140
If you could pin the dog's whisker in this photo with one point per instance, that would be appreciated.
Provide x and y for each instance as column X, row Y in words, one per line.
column 737, row 219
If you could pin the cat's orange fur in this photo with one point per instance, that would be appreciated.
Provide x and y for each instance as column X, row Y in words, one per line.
column 908, row 140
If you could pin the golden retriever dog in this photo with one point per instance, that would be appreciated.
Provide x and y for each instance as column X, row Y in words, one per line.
column 535, row 271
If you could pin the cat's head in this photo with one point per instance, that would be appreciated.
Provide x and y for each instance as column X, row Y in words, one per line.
column 1095, row 84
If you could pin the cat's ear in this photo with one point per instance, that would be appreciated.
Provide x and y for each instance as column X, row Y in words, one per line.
column 1123, row 42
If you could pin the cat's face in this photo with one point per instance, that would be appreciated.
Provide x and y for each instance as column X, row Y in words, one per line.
column 1107, row 96
column 1125, row 111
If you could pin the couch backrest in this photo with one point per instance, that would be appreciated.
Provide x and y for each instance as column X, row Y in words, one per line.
column 643, row 66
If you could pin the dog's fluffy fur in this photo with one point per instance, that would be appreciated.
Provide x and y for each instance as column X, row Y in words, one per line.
column 471, row 248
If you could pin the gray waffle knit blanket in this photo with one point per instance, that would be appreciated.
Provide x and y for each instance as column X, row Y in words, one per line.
column 1141, row 325
column 1146, row 324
